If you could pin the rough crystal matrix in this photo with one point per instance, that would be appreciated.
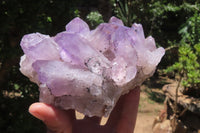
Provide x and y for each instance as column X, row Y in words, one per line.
column 88, row 70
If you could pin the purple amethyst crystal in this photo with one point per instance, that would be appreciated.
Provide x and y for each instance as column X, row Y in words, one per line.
column 88, row 70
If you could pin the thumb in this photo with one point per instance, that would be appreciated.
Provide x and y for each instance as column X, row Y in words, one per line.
column 56, row 120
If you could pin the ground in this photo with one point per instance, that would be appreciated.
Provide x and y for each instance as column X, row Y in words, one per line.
column 151, row 103
column 148, row 110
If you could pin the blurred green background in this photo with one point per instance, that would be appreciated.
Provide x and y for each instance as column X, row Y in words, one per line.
column 175, row 25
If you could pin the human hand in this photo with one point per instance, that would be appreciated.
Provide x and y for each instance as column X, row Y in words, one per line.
column 121, row 120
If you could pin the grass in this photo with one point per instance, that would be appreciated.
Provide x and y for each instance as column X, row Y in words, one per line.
column 154, row 96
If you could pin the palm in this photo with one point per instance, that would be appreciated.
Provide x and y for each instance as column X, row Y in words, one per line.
column 121, row 120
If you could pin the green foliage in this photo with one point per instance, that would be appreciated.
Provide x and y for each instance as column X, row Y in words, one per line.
column 77, row 13
column 188, row 64
column 197, row 48
column 190, row 31
column 125, row 11
column 94, row 18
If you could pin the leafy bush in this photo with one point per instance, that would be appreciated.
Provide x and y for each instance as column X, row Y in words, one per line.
column 125, row 11
column 188, row 65
column 94, row 18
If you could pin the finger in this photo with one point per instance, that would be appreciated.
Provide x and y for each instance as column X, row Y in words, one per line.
column 129, row 112
column 116, row 113
column 55, row 119
column 124, row 114
column 93, row 119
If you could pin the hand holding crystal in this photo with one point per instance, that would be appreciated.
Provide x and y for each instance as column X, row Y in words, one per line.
column 88, row 70
column 122, row 119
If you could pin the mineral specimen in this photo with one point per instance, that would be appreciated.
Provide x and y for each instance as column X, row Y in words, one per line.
column 88, row 70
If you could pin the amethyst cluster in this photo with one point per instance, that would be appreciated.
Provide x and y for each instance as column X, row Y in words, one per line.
column 88, row 70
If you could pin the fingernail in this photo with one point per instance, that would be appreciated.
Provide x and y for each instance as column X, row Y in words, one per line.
column 37, row 115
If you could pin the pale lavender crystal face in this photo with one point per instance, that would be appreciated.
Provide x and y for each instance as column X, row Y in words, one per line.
column 88, row 70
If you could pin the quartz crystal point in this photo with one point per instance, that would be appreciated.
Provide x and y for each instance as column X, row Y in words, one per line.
column 88, row 70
